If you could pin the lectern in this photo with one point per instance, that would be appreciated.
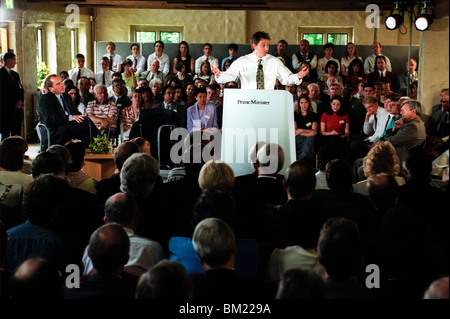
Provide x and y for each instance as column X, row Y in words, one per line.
column 250, row 116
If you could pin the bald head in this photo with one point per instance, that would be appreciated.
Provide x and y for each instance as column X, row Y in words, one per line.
column 36, row 278
column 438, row 289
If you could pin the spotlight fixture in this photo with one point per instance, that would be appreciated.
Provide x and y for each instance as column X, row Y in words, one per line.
column 425, row 18
column 394, row 20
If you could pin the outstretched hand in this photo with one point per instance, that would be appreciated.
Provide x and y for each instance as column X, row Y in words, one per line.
column 303, row 72
column 215, row 69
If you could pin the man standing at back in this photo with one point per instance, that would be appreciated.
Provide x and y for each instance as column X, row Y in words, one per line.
column 369, row 62
column 259, row 70
column 11, row 98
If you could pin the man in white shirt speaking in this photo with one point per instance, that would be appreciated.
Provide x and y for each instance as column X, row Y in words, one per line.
column 259, row 70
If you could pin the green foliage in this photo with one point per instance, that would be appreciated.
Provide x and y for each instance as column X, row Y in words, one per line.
column 170, row 37
column 314, row 38
column 42, row 72
column 101, row 145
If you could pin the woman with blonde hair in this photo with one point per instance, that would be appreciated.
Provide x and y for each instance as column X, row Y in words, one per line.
column 216, row 175
column 380, row 159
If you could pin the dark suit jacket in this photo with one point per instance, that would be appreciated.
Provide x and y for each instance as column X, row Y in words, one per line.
column 11, row 91
column 51, row 114
column 375, row 76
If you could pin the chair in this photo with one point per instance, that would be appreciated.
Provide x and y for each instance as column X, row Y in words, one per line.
column 165, row 145
column 148, row 127
column 247, row 256
column 43, row 133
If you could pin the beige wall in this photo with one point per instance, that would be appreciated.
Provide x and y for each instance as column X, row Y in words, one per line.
column 212, row 26
column 237, row 26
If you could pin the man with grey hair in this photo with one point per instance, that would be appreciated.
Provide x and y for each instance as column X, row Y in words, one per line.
column 153, row 72
column 409, row 131
column 215, row 245
column 140, row 179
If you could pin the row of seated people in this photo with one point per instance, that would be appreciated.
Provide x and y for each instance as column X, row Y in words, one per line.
column 284, row 214
column 357, row 119
column 351, row 69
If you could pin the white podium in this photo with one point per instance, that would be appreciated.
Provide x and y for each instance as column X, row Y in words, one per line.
column 250, row 116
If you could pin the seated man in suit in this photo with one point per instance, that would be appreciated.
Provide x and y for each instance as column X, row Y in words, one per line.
column 168, row 103
column 57, row 111
column 215, row 245
column 153, row 72
column 382, row 72
column 437, row 125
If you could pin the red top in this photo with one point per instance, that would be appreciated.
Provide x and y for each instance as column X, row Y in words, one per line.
column 335, row 122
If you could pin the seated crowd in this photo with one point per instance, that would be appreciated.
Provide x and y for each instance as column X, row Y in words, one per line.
column 367, row 188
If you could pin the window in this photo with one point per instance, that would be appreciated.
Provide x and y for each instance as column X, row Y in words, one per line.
column 150, row 34
column 322, row 35
column 337, row 38
column 73, row 43
column 144, row 36
column 40, row 46
column 313, row 38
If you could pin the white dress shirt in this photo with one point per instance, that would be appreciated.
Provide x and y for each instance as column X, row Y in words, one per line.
column 117, row 60
column 164, row 62
column 246, row 67
column 108, row 77
column 211, row 60
column 140, row 63
column 376, row 125
column 84, row 72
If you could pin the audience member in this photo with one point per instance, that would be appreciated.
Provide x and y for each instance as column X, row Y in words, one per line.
column 438, row 126
column 306, row 124
column 202, row 115
column 380, row 159
column 13, row 182
column 110, row 186
column 232, row 50
column 80, row 70
column 153, row 72
column 138, row 61
column 128, row 75
column 109, row 249
column 144, row 253
column 340, row 201
column 438, row 289
column 76, row 177
column 328, row 50
column 408, row 77
column 303, row 55
column 167, row 280
column 115, row 60
column 36, row 279
column 105, row 75
column 103, row 112
column 216, row 175
column 409, row 131
column 57, row 111
column 163, row 59
column 215, row 244
column 299, row 284
column 34, row 238
column 381, row 71
column 207, row 50
column 351, row 53
column 370, row 63
column 294, row 226
column 183, row 55
column 341, row 253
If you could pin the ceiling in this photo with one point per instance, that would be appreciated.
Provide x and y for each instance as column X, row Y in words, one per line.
column 296, row 5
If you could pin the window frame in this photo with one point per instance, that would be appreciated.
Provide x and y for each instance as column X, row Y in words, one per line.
column 325, row 31
column 154, row 28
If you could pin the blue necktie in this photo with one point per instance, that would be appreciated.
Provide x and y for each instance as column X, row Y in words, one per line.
column 66, row 107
